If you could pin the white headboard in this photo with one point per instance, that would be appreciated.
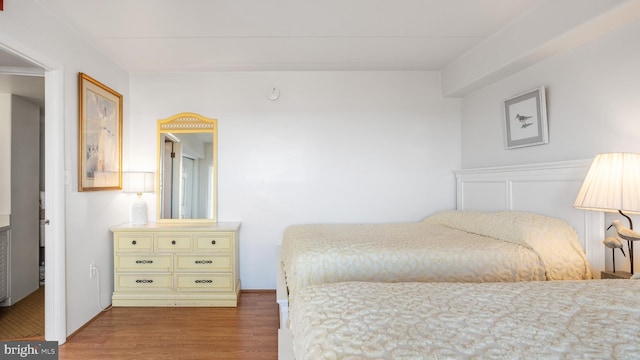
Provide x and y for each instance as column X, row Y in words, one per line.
column 548, row 189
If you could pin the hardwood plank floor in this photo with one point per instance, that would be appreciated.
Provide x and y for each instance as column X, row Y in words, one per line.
column 249, row 331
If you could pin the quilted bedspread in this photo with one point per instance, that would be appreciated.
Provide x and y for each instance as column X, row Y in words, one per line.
column 591, row 319
column 453, row 246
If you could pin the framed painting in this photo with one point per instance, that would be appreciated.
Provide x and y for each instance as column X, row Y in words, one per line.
column 526, row 119
column 100, row 136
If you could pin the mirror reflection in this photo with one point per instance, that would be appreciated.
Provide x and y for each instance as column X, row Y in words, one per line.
column 187, row 168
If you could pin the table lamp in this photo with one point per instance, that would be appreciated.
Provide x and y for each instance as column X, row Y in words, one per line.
column 138, row 182
column 612, row 184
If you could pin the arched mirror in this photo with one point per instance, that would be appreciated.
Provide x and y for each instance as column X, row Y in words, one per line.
column 187, row 168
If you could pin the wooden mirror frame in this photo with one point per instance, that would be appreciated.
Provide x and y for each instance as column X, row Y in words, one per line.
column 185, row 123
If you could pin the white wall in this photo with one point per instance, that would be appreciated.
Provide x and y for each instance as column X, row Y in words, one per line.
column 24, row 178
column 592, row 104
column 5, row 159
column 336, row 147
column 88, row 214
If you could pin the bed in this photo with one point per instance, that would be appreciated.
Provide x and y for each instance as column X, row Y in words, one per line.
column 462, row 246
column 450, row 246
column 515, row 320
column 513, row 223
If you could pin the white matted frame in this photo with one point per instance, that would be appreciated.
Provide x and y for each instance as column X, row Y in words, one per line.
column 526, row 119
column 100, row 136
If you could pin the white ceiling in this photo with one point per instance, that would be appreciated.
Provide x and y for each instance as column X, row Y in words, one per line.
column 472, row 42
column 29, row 87
column 274, row 35
column 281, row 35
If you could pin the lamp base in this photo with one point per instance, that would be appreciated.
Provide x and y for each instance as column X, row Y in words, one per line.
column 139, row 212
column 615, row 275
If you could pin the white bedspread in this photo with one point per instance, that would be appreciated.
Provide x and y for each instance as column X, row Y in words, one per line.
column 453, row 246
column 592, row 319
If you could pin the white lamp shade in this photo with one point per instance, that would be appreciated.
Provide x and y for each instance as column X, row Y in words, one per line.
column 138, row 182
column 612, row 184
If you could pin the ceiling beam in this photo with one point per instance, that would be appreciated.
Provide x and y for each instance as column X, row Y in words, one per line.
column 551, row 28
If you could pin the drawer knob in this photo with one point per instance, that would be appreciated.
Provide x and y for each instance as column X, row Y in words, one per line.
column 204, row 262
column 208, row 281
column 144, row 281
column 213, row 242
column 144, row 261
column 173, row 242
column 134, row 242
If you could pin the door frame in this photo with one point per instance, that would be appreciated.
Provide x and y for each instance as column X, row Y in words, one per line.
column 56, row 178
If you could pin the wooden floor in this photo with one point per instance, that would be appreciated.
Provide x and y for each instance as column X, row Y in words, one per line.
column 249, row 331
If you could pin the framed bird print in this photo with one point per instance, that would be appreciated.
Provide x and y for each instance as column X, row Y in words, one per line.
column 526, row 119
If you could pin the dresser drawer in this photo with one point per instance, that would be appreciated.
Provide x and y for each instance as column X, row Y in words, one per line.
column 204, row 282
column 208, row 242
column 134, row 242
column 196, row 263
column 137, row 282
column 173, row 243
column 142, row 263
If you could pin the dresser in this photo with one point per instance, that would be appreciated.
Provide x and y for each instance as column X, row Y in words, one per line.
column 176, row 264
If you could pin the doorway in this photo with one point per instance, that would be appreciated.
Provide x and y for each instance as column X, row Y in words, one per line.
column 186, row 190
column 35, row 64
column 22, row 308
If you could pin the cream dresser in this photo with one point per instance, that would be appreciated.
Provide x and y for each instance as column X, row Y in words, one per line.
column 176, row 264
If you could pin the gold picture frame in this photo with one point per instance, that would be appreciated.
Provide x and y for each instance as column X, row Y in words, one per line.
column 99, row 136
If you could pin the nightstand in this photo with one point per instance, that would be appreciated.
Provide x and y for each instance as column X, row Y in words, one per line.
column 615, row 275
